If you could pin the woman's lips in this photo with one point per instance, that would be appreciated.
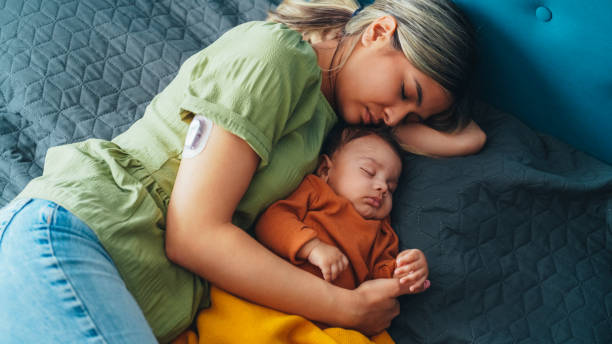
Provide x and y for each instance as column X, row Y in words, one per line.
column 367, row 117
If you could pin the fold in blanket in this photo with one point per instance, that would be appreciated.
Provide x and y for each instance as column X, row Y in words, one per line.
column 234, row 320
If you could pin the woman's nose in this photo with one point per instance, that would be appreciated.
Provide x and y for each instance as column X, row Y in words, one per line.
column 394, row 115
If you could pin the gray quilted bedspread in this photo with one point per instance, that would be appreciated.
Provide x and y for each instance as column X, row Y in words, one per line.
column 518, row 240
column 518, row 237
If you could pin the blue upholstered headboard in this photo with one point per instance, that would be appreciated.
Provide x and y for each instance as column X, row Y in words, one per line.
column 550, row 64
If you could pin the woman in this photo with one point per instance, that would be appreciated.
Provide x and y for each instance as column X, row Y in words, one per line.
column 115, row 240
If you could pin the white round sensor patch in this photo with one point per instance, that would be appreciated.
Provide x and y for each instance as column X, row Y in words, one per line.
column 197, row 136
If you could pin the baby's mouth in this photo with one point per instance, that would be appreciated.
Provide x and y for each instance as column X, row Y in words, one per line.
column 374, row 201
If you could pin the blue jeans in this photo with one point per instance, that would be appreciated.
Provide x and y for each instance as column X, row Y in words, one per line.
column 58, row 284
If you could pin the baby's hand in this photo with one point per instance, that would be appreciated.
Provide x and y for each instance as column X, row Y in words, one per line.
column 328, row 258
column 412, row 271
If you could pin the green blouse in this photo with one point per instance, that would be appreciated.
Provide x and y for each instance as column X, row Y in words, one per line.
column 260, row 81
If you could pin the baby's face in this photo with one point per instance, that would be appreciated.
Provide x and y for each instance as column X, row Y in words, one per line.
column 366, row 171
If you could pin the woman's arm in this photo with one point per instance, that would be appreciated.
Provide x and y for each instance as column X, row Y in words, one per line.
column 201, row 238
column 420, row 139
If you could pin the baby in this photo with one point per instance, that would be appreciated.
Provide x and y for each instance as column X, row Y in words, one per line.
column 336, row 224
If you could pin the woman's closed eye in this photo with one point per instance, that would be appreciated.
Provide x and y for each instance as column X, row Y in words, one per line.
column 403, row 92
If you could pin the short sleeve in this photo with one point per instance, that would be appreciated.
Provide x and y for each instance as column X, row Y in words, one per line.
column 250, row 81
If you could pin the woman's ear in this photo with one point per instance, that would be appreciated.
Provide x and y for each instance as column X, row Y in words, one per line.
column 325, row 164
column 380, row 30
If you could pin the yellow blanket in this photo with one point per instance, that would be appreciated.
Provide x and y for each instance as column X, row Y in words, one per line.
column 233, row 320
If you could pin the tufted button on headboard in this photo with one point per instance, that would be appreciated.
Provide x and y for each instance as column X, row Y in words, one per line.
column 543, row 14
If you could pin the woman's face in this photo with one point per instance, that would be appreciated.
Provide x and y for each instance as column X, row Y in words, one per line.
column 378, row 85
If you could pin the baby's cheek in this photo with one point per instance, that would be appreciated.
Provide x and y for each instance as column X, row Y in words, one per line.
column 387, row 208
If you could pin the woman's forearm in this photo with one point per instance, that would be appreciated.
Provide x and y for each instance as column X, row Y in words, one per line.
column 420, row 139
column 234, row 261
column 237, row 263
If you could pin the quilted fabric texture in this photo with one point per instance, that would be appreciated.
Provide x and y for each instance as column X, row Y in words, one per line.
column 72, row 70
column 518, row 240
column 518, row 237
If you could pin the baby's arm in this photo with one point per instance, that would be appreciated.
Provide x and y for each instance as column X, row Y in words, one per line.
column 281, row 228
column 328, row 258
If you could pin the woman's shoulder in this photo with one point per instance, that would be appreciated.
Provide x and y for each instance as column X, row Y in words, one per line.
column 266, row 41
column 262, row 33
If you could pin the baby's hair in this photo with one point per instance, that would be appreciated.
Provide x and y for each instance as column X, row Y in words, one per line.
column 343, row 133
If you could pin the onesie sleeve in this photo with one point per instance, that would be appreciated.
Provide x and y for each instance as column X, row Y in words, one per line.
column 250, row 81
column 281, row 227
column 384, row 252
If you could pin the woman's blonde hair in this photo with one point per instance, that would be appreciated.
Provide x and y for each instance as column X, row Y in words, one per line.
column 433, row 34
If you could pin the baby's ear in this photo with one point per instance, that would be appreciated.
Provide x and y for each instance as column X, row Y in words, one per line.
column 325, row 164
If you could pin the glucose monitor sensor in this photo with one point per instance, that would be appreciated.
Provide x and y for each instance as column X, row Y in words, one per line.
column 197, row 136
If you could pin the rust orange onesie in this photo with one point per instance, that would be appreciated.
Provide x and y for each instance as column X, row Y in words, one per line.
column 315, row 210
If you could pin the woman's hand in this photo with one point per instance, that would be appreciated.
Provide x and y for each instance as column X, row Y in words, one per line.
column 412, row 271
column 374, row 305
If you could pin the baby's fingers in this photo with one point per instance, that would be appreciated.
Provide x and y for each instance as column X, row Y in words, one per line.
column 326, row 271
column 334, row 271
column 345, row 262
column 339, row 266
column 413, row 277
column 409, row 256
column 404, row 270
column 419, row 287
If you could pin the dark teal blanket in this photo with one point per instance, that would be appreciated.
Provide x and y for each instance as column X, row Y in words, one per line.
column 518, row 240
column 518, row 237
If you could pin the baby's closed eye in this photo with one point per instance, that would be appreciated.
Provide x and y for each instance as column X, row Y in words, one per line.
column 368, row 171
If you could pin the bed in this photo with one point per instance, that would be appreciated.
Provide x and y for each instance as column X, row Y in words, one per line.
column 518, row 237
